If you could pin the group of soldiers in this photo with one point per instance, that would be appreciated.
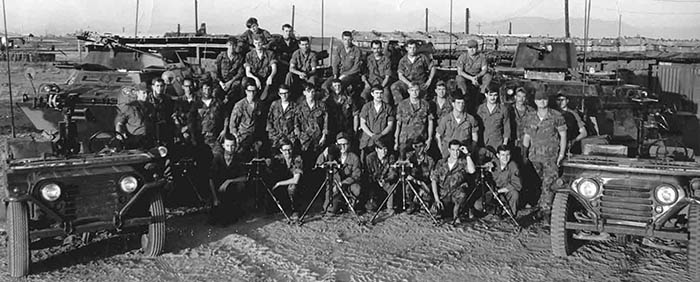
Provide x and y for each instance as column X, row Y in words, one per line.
column 271, row 103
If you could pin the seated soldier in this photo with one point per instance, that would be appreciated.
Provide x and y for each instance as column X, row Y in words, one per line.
column 348, row 176
column 420, row 173
column 136, row 121
column 229, row 175
column 449, row 179
column 380, row 175
column 288, row 167
column 506, row 176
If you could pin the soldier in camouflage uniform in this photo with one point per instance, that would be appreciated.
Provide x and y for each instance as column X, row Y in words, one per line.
column 441, row 104
column 343, row 111
column 449, row 179
column 419, row 175
column 281, row 119
column 312, row 118
column 413, row 119
column 245, row 118
column 380, row 176
column 545, row 140
column 520, row 110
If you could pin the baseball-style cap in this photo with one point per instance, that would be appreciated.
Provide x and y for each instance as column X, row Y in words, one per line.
column 540, row 95
column 142, row 86
column 472, row 43
column 341, row 135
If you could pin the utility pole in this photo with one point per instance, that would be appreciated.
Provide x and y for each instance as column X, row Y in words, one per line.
column 510, row 27
column 293, row 8
column 196, row 17
column 466, row 22
column 567, row 34
column 9, row 80
column 136, row 25
column 450, row 61
column 426, row 20
column 479, row 26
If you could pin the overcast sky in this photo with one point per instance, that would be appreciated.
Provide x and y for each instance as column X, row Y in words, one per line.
column 228, row 16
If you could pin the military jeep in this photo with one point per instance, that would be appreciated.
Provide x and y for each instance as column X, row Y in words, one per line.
column 83, row 180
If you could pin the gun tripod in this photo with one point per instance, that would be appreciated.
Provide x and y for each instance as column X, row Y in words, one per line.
column 404, row 182
column 482, row 181
column 255, row 177
column 331, row 184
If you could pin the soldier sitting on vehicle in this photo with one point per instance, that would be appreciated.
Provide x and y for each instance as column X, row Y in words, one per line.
column 506, row 176
column 348, row 176
column 135, row 121
column 230, row 72
column 302, row 67
column 449, row 179
column 380, row 176
column 287, row 167
column 472, row 73
column 261, row 66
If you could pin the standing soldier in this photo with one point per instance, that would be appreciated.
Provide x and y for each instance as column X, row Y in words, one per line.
column 206, row 119
column 545, row 142
column 575, row 128
column 441, row 104
column 458, row 125
column 281, row 119
column 347, row 63
column 230, row 72
column 520, row 110
column 164, row 109
column 449, row 179
column 261, row 66
column 413, row 67
column 283, row 49
column 413, row 119
column 376, row 121
column 253, row 29
column 377, row 72
column 302, row 67
column 495, row 119
column 245, row 118
column 313, row 123
column 343, row 113
column 472, row 72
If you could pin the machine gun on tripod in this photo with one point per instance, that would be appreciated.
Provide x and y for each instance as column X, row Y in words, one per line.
column 331, row 184
column 403, row 167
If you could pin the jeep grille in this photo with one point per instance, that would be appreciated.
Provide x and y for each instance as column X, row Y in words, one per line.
column 627, row 202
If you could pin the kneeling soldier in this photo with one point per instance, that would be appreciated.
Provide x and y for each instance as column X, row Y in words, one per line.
column 288, row 167
column 380, row 175
column 449, row 177
column 507, row 178
column 348, row 175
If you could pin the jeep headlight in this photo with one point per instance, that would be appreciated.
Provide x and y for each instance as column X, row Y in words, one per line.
column 588, row 188
column 50, row 192
column 666, row 194
column 128, row 184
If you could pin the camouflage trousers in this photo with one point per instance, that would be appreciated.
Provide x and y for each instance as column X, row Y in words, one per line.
column 548, row 172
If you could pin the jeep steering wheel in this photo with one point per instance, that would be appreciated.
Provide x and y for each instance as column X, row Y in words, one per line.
column 111, row 141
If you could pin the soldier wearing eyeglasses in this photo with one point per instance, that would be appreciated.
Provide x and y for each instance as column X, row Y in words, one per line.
column 288, row 167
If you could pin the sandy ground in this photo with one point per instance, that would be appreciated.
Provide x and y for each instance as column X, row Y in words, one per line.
column 398, row 248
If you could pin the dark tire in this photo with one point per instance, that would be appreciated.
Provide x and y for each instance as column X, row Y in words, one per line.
column 694, row 242
column 18, row 239
column 561, row 239
column 153, row 241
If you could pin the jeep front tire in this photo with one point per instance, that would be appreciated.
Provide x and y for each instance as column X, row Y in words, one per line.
column 18, row 239
column 561, row 239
